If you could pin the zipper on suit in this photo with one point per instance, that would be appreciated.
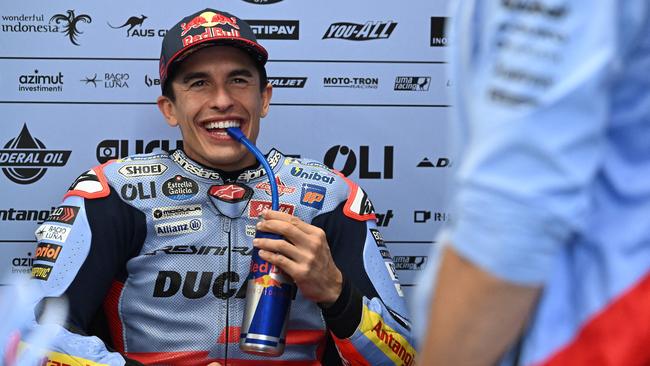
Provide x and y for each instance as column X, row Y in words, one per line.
column 225, row 226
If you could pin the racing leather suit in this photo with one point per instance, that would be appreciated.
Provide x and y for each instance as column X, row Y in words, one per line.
column 152, row 252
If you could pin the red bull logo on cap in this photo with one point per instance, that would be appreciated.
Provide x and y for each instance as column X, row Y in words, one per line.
column 208, row 19
column 214, row 32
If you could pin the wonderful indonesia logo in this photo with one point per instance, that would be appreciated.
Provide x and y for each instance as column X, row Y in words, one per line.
column 69, row 23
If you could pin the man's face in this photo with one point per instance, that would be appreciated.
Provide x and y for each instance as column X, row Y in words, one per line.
column 217, row 87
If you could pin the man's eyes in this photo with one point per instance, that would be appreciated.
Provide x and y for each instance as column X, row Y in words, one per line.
column 239, row 80
column 197, row 83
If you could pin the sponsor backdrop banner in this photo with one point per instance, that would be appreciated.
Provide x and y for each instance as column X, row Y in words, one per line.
column 359, row 85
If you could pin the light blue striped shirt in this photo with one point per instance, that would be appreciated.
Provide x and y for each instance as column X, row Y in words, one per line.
column 552, row 110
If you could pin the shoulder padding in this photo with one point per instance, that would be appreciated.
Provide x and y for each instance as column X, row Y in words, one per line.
column 91, row 184
column 358, row 205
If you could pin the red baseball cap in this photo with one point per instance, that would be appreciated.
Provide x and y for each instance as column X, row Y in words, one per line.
column 207, row 28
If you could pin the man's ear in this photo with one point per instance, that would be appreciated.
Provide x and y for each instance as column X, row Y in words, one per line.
column 267, row 93
column 166, row 107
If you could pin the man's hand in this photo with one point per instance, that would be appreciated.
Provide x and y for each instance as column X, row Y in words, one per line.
column 304, row 255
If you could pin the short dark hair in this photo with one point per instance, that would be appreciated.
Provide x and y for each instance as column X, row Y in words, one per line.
column 168, row 91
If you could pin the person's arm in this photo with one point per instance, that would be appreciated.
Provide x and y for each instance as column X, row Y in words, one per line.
column 369, row 322
column 532, row 104
column 475, row 314
column 82, row 249
column 351, row 276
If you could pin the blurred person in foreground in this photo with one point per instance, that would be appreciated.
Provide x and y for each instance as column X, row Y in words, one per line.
column 547, row 260
column 153, row 251
column 17, row 302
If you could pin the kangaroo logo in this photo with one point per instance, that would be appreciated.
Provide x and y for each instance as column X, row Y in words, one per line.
column 71, row 21
column 132, row 22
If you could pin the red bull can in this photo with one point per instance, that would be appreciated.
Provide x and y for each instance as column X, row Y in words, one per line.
column 268, row 300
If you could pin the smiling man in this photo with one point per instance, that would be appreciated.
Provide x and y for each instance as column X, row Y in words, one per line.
column 153, row 250
column 215, row 88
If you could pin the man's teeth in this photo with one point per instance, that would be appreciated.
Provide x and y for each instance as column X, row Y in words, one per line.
column 221, row 124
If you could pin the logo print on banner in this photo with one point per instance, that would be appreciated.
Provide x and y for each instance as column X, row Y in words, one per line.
column 93, row 80
column 116, row 80
column 313, row 196
column 24, row 159
column 22, row 264
column 111, row 80
column 71, row 20
column 180, row 188
column 440, row 163
column 371, row 30
column 422, row 216
column 412, row 83
column 364, row 166
column 262, row 2
column 137, row 21
column 40, row 83
column 231, row 192
column 13, row 214
column 438, row 38
column 116, row 149
column 354, row 82
column 275, row 29
column 409, row 263
column 287, row 81
column 151, row 81
column 383, row 219
column 24, row 23
column 132, row 22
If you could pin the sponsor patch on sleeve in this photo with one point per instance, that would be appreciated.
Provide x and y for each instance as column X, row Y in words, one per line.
column 391, row 270
column 91, row 184
column 41, row 272
column 379, row 239
column 390, row 342
column 50, row 232
column 47, row 252
column 313, row 195
column 64, row 214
